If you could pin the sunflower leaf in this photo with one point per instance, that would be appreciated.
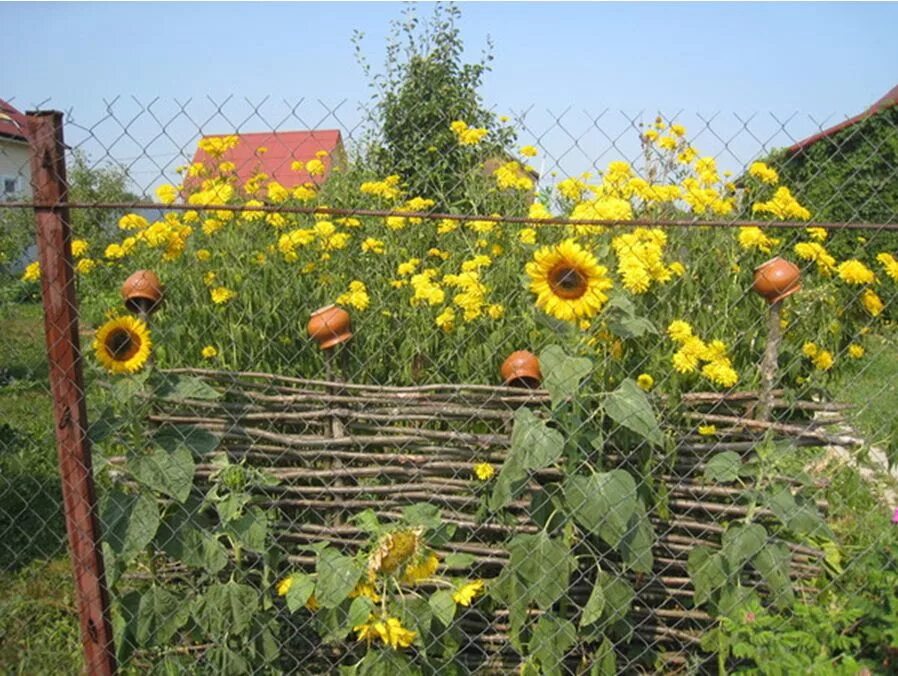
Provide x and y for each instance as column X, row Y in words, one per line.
column 562, row 374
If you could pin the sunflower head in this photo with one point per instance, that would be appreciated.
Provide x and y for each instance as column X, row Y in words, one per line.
column 568, row 281
column 393, row 551
column 122, row 345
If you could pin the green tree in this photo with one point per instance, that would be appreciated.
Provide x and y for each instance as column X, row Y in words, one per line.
column 425, row 87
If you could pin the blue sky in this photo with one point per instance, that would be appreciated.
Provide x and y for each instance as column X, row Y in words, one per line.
column 742, row 76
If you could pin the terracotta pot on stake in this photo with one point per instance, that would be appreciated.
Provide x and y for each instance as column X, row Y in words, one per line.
column 521, row 369
column 774, row 280
column 142, row 293
column 329, row 326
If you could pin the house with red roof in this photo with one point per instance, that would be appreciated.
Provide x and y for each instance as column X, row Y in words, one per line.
column 283, row 156
column 15, row 163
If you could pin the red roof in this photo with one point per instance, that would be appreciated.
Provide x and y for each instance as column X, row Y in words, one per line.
column 273, row 153
column 890, row 99
column 12, row 122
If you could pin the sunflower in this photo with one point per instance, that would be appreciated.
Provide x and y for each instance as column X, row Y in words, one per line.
column 123, row 345
column 568, row 281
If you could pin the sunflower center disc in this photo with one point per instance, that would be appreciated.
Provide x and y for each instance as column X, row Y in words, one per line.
column 567, row 282
column 121, row 345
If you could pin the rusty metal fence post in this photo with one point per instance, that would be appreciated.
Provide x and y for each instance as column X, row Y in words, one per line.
column 67, row 386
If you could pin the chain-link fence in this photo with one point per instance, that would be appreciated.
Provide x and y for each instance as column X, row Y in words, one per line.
column 562, row 393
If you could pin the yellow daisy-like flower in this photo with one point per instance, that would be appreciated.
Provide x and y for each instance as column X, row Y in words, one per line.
column 122, row 345
column 416, row 572
column 645, row 382
column 221, row 295
column 810, row 350
column 284, row 585
column 466, row 593
column 209, row 352
column 366, row 589
column 823, row 360
column 679, row 330
column 484, row 471
column 32, row 272
column 568, row 281
column 872, row 302
column 707, row 430
column 856, row 351
column 853, row 271
column 167, row 193
column 389, row 631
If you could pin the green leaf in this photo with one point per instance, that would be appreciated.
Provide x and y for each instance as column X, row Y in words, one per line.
column 619, row 596
column 180, row 387
column 337, row 576
column 105, row 424
column 707, row 569
column 386, row 663
column 159, row 615
column 223, row 661
column 169, row 472
column 415, row 614
column 592, row 611
column 604, row 660
column 367, row 521
column 197, row 548
column 551, row 640
column 723, row 467
column 629, row 407
column 773, row 562
column 602, row 503
column 562, row 374
column 802, row 518
column 443, row 606
column 422, row 514
column 636, row 545
column 129, row 522
column 300, row 590
column 741, row 543
column 544, row 566
column 459, row 560
column 631, row 327
column 197, row 440
column 226, row 609
column 250, row 530
column 359, row 610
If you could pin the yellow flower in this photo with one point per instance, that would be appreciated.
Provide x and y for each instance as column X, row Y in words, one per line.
column 285, row 584
column 810, row 350
column 484, row 471
column 529, row 151
column 209, row 352
column 856, row 351
column 114, row 251
column 408, row 267
column 216, row 146
column 167, row 193
column 763, row 173
column 221, row 294
column 527, row 236
column 357, row 296
column 446, row 320
column 818, row 234
column 122, row 345
column 890, row 265
column 211, row 226
column 312, row 604
column 466, row 593
column 645, row 381
column 132, row 222
column 720, row 372
column 203, row 255
column 677, row 130
column 512, row 176
column 568, row 281
column 679, row 330
column 823, row 360
column 479, row 261
column 372, row 245
column 496, row 311
column 422, row 570
column 366, row 590
column 872, row 303
column 667, row 143
column 754, row 238
column 684, row 362
column 814, row 251
column 447, row 225
column 783, row 206
column 650, row 134
column 85, row 266
column 707, row 430
column 853, row 271
column 315, row 167
column 389, row 631
column 305, row 193
column 32, row 272
column 393, row 551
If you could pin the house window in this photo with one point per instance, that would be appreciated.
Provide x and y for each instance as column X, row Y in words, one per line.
column 9, row 184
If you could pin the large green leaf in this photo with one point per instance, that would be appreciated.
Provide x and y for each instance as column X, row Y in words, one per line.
column 629, row 407
column 180, row 387
column 723, row 467
column 160, row 614
column 594, row 607
column 337, row 576
column 619, row 597
column 169, row 472
column 602, row 503
column 741, row 543
column 250, row 530
column 543, row 565
column 443, row 606
column 636, row 545
column 223, row 661
column 199, row 441
column 604, row 661
column 185, row 534
column 772, row 562
column 802, row 518
column 562, row 374
column 552, row 638
column 708, row 571
column 226, row 609
column 301, row 589
column 129, row 521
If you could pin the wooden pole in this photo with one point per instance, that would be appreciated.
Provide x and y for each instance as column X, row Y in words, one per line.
column 769, row 363
column 54, row 235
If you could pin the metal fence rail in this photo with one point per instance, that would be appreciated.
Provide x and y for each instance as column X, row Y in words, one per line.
column 607, row 403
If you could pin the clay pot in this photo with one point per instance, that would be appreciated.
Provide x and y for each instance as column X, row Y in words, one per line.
column 521, row 369
column 776, row 279
column 329, row 326
column 142, row 292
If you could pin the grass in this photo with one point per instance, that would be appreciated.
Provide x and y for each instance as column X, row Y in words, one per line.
column 38, row 618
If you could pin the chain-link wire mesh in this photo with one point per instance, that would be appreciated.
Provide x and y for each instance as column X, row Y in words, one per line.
column 565, row 393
